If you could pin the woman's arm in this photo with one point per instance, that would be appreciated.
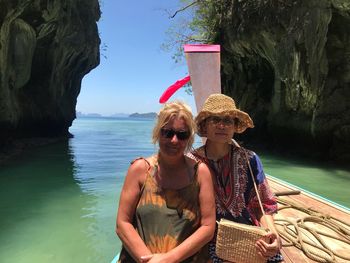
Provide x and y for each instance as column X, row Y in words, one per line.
column 271, row 247
column 266, row 195
column 207, row 225
column 129, row 198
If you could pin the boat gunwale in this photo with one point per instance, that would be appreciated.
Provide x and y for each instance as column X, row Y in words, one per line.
column 310, row 194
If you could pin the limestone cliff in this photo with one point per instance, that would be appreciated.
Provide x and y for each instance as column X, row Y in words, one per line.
column 287, row 63
column 46, row 48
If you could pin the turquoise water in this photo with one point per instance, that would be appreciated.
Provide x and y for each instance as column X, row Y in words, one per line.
column 58, row 203
column 329, row 182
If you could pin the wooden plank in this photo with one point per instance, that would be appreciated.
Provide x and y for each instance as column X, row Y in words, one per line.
column 309, row 202
column 294, row 255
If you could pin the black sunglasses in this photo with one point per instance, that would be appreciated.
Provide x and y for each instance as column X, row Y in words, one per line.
column 169, row 133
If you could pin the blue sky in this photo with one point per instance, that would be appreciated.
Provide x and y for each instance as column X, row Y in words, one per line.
column 136, row 70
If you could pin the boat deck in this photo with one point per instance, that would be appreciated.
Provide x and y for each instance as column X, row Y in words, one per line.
column 315, row 229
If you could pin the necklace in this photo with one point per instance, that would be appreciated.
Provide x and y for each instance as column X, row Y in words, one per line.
column 219, row 168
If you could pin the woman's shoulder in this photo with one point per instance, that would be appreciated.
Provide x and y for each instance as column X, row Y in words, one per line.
column 142, row 164
column 191, row 161
column 250, row 153
column 139, row 169
column 196, row 165
column 197, row 154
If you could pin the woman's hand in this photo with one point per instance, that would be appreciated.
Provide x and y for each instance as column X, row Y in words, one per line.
column 145, row 259
column 271, row 248
column 155, row 258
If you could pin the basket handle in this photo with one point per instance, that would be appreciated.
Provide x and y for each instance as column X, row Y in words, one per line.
column 255, row 187
column 251, row 174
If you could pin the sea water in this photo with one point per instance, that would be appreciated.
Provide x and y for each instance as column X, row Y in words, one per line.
column 58, row 202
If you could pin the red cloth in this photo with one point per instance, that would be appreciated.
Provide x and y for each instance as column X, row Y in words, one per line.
column 173, row 88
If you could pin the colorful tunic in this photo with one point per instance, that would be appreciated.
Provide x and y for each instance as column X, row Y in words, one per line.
column 165, row 217
column 235, row 196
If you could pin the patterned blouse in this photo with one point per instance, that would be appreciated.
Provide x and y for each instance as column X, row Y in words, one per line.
column 235, row 195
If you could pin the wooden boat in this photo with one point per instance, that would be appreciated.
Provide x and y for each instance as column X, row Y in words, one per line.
column 313, row 229
column 322, row 219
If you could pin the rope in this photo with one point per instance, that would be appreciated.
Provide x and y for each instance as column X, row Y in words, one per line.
column 310, row 239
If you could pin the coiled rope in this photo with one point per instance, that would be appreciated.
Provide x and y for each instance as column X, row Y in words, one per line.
column 308, row 233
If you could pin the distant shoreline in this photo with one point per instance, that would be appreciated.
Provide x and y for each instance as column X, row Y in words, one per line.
column 148, row 115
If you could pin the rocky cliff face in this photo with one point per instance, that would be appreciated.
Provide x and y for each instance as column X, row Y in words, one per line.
column 287, row 63
column 46, row 48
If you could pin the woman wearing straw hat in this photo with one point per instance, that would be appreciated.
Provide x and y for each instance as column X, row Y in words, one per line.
column 236, row 199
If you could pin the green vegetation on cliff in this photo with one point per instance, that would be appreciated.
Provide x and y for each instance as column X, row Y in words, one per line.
column 287, row 63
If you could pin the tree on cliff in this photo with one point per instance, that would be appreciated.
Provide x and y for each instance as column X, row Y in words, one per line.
column 287, row 63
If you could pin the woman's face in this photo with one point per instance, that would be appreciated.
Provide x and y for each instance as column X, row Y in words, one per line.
column 174, row 137
column 220, row 128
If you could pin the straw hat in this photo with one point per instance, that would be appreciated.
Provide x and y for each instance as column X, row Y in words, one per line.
column 219, row 104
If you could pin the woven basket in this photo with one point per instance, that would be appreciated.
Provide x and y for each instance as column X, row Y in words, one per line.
column 236, row 242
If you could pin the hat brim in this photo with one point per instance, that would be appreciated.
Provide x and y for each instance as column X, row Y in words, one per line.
column 244, row 120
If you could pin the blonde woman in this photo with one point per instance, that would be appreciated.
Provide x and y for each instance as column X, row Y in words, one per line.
column 235, row 196
column 167, row 207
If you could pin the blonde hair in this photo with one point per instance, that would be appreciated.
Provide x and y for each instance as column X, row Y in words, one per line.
column 175, row 110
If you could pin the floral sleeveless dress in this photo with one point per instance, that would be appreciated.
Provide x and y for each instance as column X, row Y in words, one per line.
column 165, row 217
